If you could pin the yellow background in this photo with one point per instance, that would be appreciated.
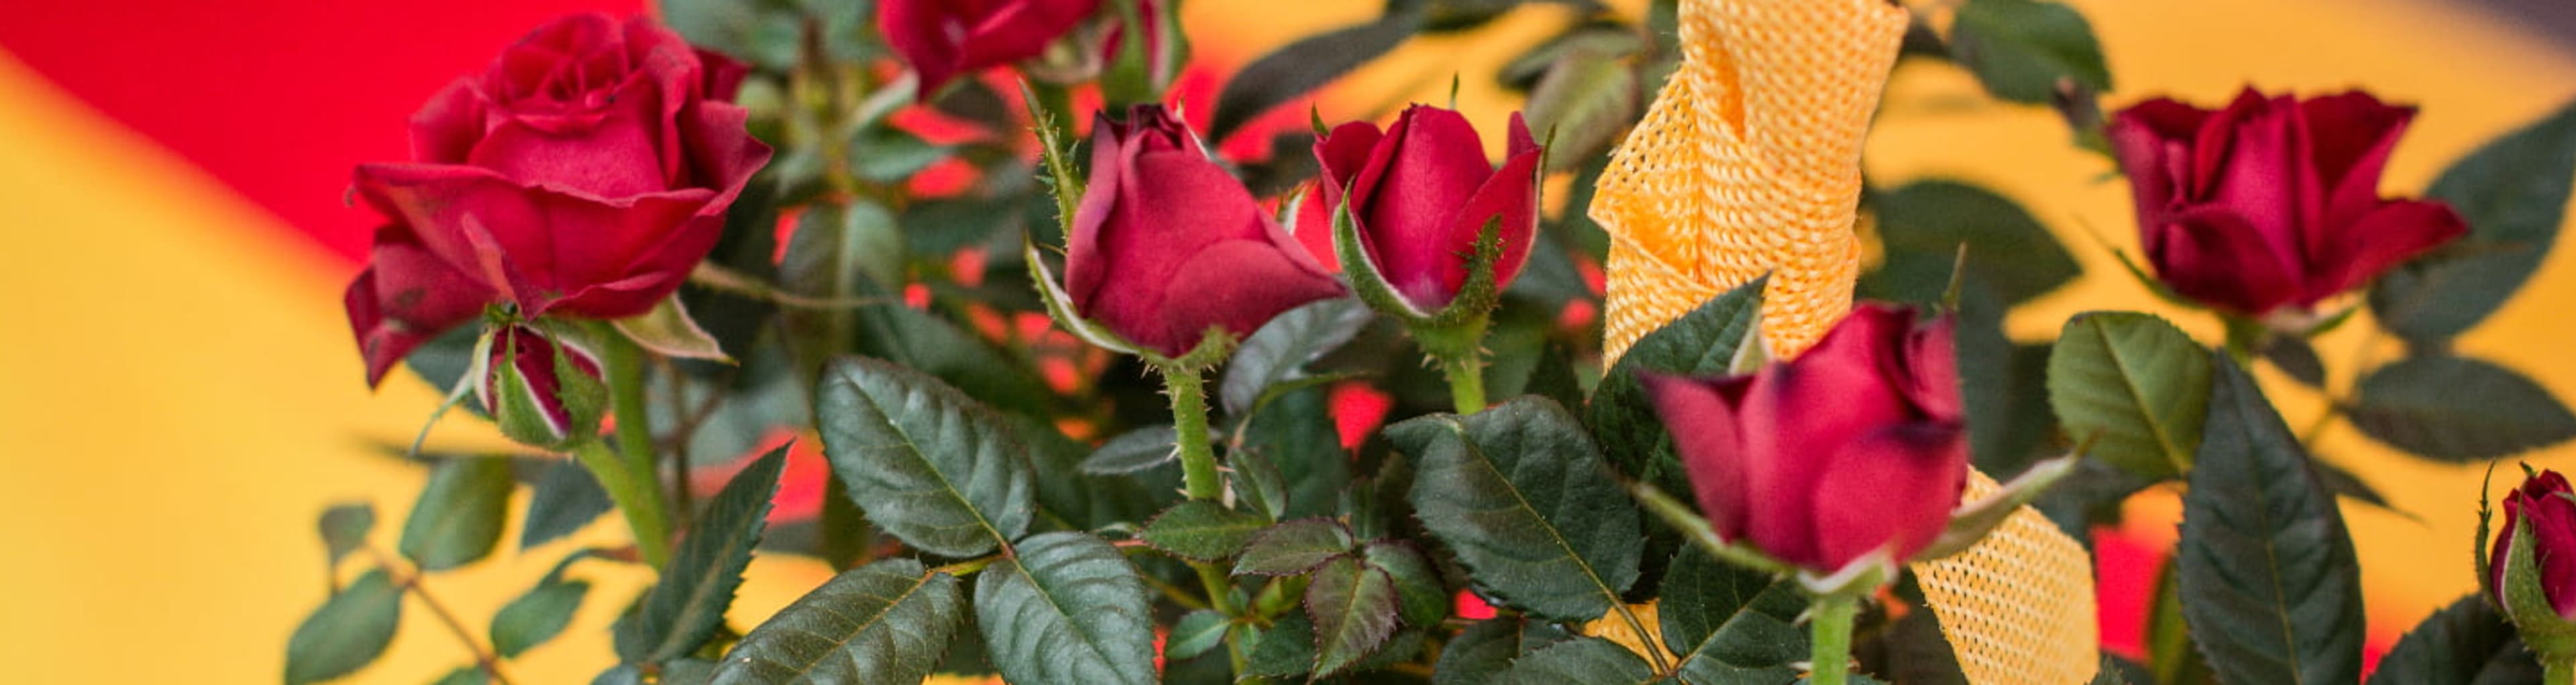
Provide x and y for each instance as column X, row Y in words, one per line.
column 179, row 397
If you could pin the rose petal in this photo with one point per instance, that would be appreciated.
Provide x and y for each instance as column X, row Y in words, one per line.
column 2351, row 136
column 1510, row 193
column 2215, row 258
column 2394, row 233
column 1701, row 416
column 406, row 296
column 1436, row 165
column 1894, row 486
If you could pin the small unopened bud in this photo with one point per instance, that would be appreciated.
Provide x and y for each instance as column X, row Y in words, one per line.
column 545, row 391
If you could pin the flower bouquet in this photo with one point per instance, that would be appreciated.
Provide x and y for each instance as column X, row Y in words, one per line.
column 1645, row 383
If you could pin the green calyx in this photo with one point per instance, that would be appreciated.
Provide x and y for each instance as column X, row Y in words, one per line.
column 526, row 413
column 2547, row 634
column 1464, row 316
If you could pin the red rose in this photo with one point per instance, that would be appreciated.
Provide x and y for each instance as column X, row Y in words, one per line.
column 943, row 39
column 582, row 175
column 2272, row 202
column 1167, row 245
column 542, row 391
column 2542, row 502
column 1856, row 446
column 1421, row 192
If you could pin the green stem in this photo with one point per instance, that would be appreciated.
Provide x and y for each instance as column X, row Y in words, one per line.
column 1466, row 381
column 1220, row 589
column 2558, row 672
column 1459, row 348
column 1189, row 430
column 639, row 499
column 2244, row 339
column 1832, row 627
column 629, row 474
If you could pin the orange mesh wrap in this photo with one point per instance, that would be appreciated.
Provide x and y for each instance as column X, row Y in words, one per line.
column 1749, row 163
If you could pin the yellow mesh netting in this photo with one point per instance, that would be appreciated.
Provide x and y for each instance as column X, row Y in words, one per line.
column 1749, row 163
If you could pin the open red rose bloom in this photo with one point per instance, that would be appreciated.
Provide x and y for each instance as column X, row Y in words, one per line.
column 582, row 175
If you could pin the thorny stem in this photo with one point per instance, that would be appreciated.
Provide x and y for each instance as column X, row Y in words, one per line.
column 1189, row 425
column 1832, row 628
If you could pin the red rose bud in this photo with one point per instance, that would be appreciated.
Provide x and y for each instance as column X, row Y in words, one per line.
column 1421, row 192
column 583, row 175
column 944, row 39
column 2272, row 202
column 1166, row 245
column 544, row 392
column 1855, row 447
column 2542, row 503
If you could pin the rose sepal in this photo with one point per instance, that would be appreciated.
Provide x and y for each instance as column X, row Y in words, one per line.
column 1972, row 521
column 1696, row 529
column 1468, row 310
column 2545, row 633
column 669, row 331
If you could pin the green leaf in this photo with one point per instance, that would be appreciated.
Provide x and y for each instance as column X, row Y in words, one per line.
column 2270, row 588
column 1295, row 433
column 2467, row 643
column 1286, row 649
column 687, row 606
column 1700, row 343
column 1421, row 595
column 347, row 633
column 536, row 617
column 1279, row 352
column 1201, row 530
column 1134, row 450
column 1302, row 66
column 885, row 154
column 1922, row 225
column 1196, row 633
column 1580, row 661
column 1521, row 494
column 1581, row 105
column 884, row 623
column 1072, row 500
column 1353, row 607
column 543, row 612
column 924, row 461
column 2513, row 193
column 687, row 672
column 2296, row 358
column 2020, row 49
column 935, row 346
column 460, row 513
column 1294, row 547
column 1481, row 653
column 1258, row 481
column 1068, row 610
column 2459, row 410
column 668, row 330
column 1730, row 624
column 2134, row 385
column 566, row 498
column 345, row 527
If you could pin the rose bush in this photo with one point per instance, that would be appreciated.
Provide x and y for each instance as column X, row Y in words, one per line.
column 2272, row 202
column 583, row 174
column 1166, row 245
column 1857, row 446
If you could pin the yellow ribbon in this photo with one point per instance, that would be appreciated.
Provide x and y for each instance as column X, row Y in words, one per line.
column 1749, row 163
